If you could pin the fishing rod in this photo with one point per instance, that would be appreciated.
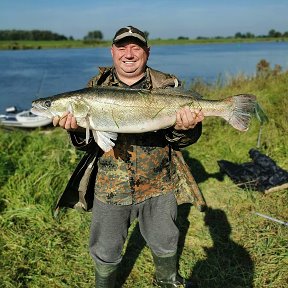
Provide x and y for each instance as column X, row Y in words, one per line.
column 271, row 218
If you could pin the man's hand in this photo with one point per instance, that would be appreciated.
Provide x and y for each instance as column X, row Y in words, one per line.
column 187, row 119
column 66, row 121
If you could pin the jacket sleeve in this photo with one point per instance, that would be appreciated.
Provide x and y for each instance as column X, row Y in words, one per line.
column 181, row 139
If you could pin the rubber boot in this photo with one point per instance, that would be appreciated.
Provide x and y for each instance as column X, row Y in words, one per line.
column 166, row 273
column 105, row 275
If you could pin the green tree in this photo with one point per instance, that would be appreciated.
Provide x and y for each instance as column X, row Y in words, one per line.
column 238, row 35
column 183, row 38
column 249, row 35
column 273, row 33
column 94, row 35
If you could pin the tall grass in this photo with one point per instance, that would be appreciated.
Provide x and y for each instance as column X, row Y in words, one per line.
column 228, row 246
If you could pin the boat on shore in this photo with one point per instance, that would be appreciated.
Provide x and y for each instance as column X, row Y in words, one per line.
column 22, row 119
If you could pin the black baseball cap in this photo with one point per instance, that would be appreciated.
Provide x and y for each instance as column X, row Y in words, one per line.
column 130, row 31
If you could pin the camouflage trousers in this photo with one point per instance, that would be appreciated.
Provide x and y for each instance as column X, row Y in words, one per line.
column 110, row 223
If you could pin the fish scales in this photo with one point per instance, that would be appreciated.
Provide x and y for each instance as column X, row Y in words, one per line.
column 129, row 114
column 132, row 112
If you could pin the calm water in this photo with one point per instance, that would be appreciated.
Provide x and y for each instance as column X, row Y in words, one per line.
column 30, row 74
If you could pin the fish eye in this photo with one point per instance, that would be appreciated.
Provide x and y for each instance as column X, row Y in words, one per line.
column 47, row 103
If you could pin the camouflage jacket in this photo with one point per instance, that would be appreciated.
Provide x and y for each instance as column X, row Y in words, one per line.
column 139, row 167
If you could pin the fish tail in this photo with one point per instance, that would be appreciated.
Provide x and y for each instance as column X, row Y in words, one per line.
column 241, row 109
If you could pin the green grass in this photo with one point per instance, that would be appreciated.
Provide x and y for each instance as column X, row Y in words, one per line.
column 228, row 246
column 26, row 44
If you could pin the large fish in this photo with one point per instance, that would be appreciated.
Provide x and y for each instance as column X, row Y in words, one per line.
column 108, row 110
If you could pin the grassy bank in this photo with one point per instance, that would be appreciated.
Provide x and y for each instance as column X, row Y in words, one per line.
column 227, row 247
column 24, row 45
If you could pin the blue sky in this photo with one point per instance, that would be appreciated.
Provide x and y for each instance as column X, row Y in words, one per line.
column 164, row 19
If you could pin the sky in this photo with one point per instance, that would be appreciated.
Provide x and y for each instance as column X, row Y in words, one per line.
column 160, row 18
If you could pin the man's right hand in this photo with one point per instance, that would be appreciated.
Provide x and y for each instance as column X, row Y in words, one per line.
column 66, row 121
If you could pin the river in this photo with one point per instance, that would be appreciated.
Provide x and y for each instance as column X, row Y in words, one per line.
column 29, row 74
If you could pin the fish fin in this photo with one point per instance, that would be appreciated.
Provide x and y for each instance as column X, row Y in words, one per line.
column 87, row 134
column 84, row 122
column 70, row 108
column 242, row 108
column 104, row 139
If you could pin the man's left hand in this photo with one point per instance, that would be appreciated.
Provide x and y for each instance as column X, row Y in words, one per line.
column 187, row 119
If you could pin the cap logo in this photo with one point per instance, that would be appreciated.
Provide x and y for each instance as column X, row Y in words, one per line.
column 130, row 30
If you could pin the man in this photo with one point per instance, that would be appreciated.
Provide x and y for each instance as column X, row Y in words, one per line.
column 135, row 179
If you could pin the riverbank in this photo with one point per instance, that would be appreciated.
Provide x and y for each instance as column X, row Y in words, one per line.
column 24, row 45
column 228, row 246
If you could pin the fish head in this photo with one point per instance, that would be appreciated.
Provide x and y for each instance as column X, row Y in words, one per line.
column 56, row 106
column 49, row 107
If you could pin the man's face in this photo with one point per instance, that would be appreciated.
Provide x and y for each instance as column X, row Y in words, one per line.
column 129, row 58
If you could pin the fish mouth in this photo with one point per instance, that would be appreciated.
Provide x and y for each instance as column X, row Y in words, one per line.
column 39, row 110
column 39, row 106
column 35, row 111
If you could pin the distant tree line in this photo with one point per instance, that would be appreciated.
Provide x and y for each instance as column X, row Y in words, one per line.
column 271, row 34
column 31, row 35
column 16, row 35
column 97, row 35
